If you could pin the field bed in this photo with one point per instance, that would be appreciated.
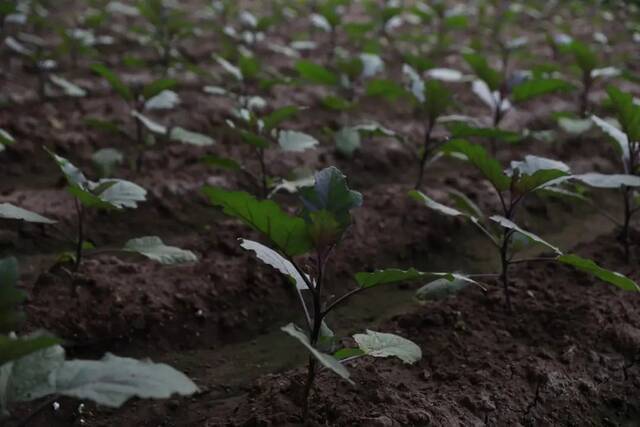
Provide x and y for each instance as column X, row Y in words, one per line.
column 564, row 355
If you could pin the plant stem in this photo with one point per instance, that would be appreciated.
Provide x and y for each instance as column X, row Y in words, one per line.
column 80, row 242
column 626, row 194
column 425, row 153
column 263, row 172
column 504, row 276
column 584, row 96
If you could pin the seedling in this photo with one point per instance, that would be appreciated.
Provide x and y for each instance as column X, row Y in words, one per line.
column 512, row 186
column 34, row 366
column 169, row 26
column 499, row 90
column 260, row 134
column 316, row 234
column 137, row 97
column 432, row 100
column 627, row 144
column 588, row 63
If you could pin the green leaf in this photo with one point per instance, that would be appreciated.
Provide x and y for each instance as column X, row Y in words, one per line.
column 599, row 180
column 119, row 193
column 337, row 103
column 102, row 125
column 619, row 137
column 463, row 130
column 165, row 100
column 441, row 288
column 9, row 211
column 326, row 360
column 385, row 88
column 69, row 88
column 465, row 204
column 188, row 137
column 486, row 164
column 437, row 99
column 289, row 234
column 13, row 349
column 481, row 68
column 106, row 160
column 253, row 139
column 277, row 261
column 506, row 223
column 379, row 344
column 114, row 81
column 574, row 126
column 278, row 116
column 432, row 204
column 347, row 141
column 330, row 193
column 151, row 125
column 585, row 58
column 157, row 86
column 294, row 141
column 154, row 248
column 537, row 87
column 74, row 176
column 6, row 138
column 221, row 162
column 346, row 353
column 627, row 111
column 316, row 73
column 588, row 266
column 391, row 276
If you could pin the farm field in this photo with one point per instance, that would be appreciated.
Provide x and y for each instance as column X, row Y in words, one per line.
column 319, row 212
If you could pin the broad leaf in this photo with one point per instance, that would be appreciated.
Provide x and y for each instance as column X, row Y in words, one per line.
column 588, row 266
column 69, row 89
column 289, row 234
column 116, row 84
column 441, row 288
column 481, row 68
column 188, row 137
column 618, row 136
column 330, row 193
column 277, row 261
column 165, row 100
column 5, row 138
column 74, row 176
column 599, row 180
column 379, row 344
column 278, row 116
column 506, row 223
column 392, row 276
column 9, row 211
column 478, row 156
column 294, row 141
column 152, row 126
column 326, row 360
column 463, row 130
column 536, row 87
column 347, row 141
column 154, row 248
column 316, row 73
column 119, row 193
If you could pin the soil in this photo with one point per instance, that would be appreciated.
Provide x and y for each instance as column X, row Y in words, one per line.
column 565, row 355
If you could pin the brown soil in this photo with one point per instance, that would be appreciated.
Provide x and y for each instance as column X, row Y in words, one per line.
column 565, row 356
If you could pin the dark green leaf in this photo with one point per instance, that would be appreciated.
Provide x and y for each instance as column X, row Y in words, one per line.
column 112, row 78
column 538, row 87
column 478, row 156
column 316, row 73
column 278, row 116
column 12, row 349
column 289, row 234
column 588, row 266
column 483, row 70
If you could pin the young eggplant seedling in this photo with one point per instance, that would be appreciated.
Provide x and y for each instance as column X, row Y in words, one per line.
column 627, row 144
column 511, row 186
column 113, row 194
column 316, row 234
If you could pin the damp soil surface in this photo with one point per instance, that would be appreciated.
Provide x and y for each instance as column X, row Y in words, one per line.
column 565, row 355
